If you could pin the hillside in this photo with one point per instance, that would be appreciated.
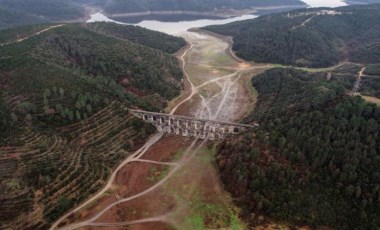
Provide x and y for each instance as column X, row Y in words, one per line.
column 10, row 18
column 22, row 12
column 121, row 6
column 362, row 1
column 25, row 12
column 153, row 39
column 63, row 127
column 315, row 166
column 311, row 37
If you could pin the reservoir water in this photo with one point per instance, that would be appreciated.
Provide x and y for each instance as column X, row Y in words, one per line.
column 174, row 27
column 183, row 25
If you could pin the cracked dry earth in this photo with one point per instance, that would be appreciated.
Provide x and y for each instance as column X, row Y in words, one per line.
column 171, row 182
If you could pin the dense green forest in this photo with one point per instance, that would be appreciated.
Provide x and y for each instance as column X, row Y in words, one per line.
column 63, row 118
column 373, row 70
column 283, row 91
column 297, row 89
column 10, row 18
column 18, row 32
column 120, row 6
column 6, row 122
column 309, row 37
column 22, row 12
column 141, row 36
column 69, row 67
column 317, row 166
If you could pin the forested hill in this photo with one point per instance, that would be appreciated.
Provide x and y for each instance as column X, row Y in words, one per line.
column 76, row 59
column 311, row 37
column 316, row 166
column 22, row 12
column 10, row 18
column 122, row 6
column 63, row 126
column 149, row 38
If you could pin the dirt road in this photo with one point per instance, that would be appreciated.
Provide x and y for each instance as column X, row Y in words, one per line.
column 216, row 92
column 32, row 35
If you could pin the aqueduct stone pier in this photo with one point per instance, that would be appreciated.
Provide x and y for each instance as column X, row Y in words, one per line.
column 192, row 127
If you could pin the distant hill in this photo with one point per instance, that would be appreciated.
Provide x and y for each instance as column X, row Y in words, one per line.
column 10, row 18
column 63, row 126
column 362, row 1
column 21, row 12
column 24, row 12
column 141, row 36
column 122, row 6
column 310, row 37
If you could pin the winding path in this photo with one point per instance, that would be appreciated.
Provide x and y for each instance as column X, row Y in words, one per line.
column 210, row 107
column 35, row 34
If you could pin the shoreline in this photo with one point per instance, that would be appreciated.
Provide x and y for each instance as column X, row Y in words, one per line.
column 224, row 38
column 227, row 13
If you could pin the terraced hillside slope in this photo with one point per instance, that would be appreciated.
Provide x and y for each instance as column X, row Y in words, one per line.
column 314, row 161
column 63, row 127
column 317, row 37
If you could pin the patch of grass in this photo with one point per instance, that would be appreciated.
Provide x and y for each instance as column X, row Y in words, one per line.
column 222, row 59
column 207, row 155
column 370, row 99
column 253, row 94
column 204, row 93
column 202, row 210
column 179, row 154
column 108, row 192
column 152, row 173
column 210, row 89
column 13, row 184
column 203, row 214
column 156, row 174
column 315, row 70
column 310, row 70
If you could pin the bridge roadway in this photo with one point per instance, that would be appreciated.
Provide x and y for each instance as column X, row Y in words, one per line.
column 189, row 126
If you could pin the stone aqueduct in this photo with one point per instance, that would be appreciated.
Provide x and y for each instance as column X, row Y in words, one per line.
column 191, row 127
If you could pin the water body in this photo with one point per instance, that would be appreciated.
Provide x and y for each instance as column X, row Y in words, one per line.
column 99, row 17
column 325, row 3
column 181, row 26
column 165, row 18
column 173, row 27
column 167, row 25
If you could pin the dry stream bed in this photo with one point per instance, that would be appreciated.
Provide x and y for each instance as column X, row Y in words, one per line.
column 172, row 181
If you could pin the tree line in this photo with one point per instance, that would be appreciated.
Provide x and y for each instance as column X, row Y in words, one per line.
column 317, row 166
column 303, row 38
